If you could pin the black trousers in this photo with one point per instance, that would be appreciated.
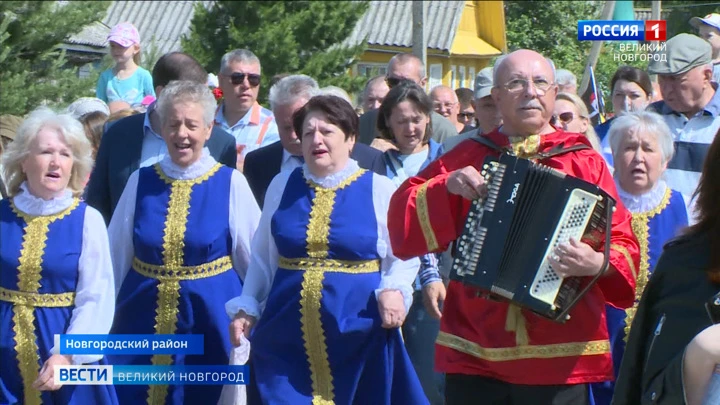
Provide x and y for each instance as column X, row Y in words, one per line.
column 462, row 389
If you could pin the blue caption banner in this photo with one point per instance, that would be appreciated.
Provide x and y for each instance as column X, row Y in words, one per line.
column 604, row 30
column 151, row 375
column 130, row 344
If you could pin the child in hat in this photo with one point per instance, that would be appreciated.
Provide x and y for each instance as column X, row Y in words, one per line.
column 126, row 81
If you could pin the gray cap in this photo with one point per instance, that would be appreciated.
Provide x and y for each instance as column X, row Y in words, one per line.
column 684, row 52
column 483, row 83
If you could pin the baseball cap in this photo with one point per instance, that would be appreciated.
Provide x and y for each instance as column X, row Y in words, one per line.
column 712, row 20
column 86, row 105
column 483, row 83
column 683, row 52
column 124, row 34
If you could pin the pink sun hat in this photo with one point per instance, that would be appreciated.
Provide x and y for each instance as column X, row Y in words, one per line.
column 124, row 34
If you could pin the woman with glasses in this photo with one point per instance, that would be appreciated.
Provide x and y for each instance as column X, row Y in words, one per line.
column 631, row 91
column 572, row 115
column 642, row 146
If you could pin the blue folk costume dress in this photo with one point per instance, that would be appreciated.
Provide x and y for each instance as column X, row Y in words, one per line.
column 182, row 236
column 658, row 216
column 56, row 277
column 320, row 255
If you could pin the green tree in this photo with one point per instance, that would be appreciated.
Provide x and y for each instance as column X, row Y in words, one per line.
column 288, row 37
column 33, row 70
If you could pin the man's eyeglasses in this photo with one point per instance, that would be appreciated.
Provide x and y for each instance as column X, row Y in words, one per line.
column 517, row 85
column 467, row 115
column 444, row 106
column 239, row 78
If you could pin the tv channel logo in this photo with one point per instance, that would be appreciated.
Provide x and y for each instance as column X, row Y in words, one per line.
column 83, row 375
column 597, row 30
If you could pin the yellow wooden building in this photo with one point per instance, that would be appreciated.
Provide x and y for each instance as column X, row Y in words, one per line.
column 462, row 38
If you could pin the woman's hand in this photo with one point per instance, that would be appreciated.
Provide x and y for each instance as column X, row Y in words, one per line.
column 576, row 259
column 46, row 380
column 433, row 294
column 392, row 308
column 242, row 324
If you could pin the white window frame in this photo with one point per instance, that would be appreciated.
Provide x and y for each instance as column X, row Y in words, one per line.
column 435, row 74
column 471, row 73
column 461, row 82
column 453, row 76
column 371, row 69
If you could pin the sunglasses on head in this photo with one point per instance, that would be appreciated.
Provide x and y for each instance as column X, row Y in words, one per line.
column 239, row 78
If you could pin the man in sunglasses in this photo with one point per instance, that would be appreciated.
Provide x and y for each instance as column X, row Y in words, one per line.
column 493, row 349
column 403, row 66
column 252, row 125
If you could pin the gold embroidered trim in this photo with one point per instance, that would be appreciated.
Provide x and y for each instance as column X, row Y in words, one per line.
column 311, row 293
column 641, row 229
column 552, row 351
column 164, row 273
column 330, row 265
column 29, row 274
column 525, row 146
column 173, row 257
column 628, row 257
column 37, row 300
column 424, row 218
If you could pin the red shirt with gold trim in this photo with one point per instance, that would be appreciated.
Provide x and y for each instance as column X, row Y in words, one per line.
column 495, row 339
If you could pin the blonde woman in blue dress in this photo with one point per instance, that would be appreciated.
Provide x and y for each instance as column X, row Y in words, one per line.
column 56, row 275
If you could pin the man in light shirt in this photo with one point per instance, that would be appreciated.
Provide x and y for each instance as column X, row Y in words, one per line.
column 252, row 125
column 287, row 96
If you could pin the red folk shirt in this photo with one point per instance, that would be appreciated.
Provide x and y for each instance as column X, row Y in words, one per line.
column 478, row 336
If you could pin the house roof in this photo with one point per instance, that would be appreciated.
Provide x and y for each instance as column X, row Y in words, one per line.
column 93, row 35
column 389, row 23
column 160, row 22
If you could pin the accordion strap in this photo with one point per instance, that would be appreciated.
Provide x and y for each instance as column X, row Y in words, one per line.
column 556, row 151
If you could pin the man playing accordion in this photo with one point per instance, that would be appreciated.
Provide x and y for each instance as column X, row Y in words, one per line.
column 492, row 349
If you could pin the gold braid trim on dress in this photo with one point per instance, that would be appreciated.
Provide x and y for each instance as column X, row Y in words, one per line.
column 318, row 231
column 641, row 229
column 29, row 275
column 173, row 257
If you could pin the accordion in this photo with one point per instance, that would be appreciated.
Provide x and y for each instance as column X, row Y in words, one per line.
column 529, row 210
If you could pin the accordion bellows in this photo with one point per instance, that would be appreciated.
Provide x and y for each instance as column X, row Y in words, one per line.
column 509, row 235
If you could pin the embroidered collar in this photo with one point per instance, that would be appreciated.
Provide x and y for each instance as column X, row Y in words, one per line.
column 36, row 206
column 645, row 202
column 195, row 170
column 335, row 179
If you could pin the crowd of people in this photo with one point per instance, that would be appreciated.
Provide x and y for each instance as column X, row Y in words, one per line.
column 325, row 237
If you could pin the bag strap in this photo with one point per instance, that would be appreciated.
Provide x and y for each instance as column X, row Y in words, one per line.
column 487, row 142
column 559, row 150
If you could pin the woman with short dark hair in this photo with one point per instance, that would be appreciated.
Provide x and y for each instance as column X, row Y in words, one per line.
column 323, row 285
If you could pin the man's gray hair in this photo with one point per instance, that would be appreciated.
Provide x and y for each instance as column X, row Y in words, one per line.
column 291, row 88
column 238, row 55
column 183, row 91
column 403, row 58
column 335, row 91
column 650, row 122
column 564, row 77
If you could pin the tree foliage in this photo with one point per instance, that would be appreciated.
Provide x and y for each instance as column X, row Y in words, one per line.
column 288, row 37
column 33, row 70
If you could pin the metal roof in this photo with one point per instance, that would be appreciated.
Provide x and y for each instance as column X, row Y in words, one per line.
column 93, row 35
column 389, row 23
column 160, row 22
